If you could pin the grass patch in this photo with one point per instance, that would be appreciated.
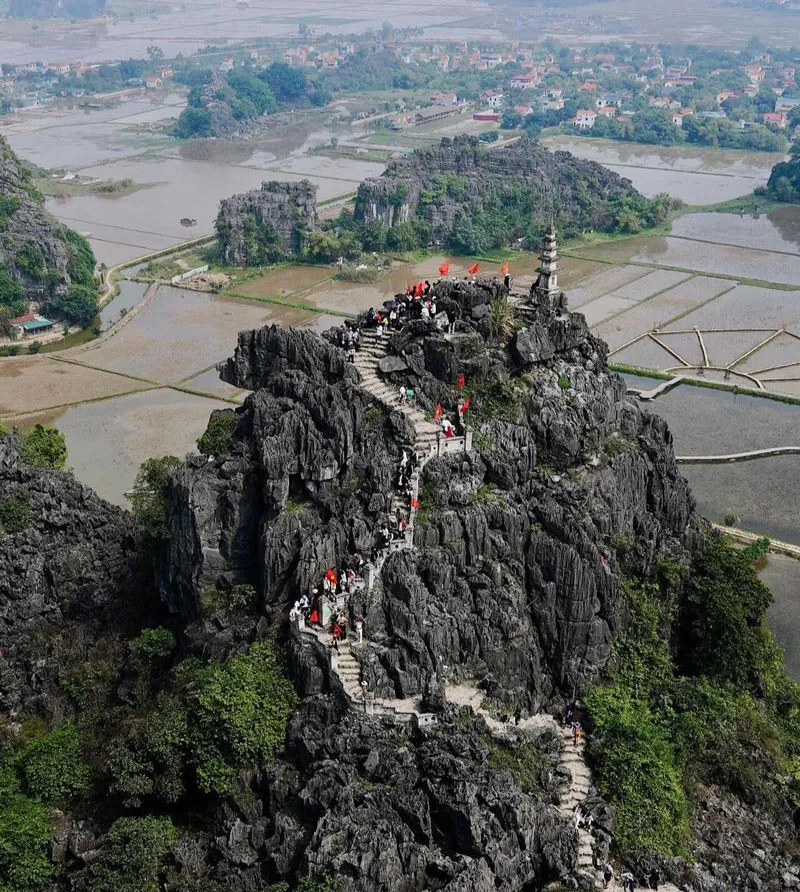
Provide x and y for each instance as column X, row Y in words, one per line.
column 526, row 765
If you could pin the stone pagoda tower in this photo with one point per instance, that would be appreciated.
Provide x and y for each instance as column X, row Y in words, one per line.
column 546, row 289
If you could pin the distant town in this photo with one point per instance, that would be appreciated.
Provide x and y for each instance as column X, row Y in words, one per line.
column 657, row 94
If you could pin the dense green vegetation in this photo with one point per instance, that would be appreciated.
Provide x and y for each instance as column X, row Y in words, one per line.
column 15, row 512
column 39, row 771
column 27, row 264
column 148, row 498
column 11, row 291
column 45, row 447
column 784, row 181
column 129, row 858
column 718, row 709
column 78, row 306
column 215, row 720
column 655, row 126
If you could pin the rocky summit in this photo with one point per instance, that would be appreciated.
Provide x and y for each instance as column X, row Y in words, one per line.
column 398, row 585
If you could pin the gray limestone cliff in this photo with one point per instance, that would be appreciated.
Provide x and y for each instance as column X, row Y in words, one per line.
column 42, row 256
column 261, row 226
column 67, row 574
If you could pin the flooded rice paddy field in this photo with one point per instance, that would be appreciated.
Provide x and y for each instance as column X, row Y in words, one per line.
column 695, row 175
column 181, row 179
column 107, row 441
column 193, row 24
column 180, row 333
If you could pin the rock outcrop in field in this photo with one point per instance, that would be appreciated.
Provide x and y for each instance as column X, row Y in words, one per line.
column 268, row 223
column 449, row 185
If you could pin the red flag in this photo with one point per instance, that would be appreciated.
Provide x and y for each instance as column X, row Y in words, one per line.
column 504, row 269
column 437, row 412
column 419, row 289
column 331, row 576
column 414, row 504
column 465, row 405
column 444, row 269
column 460, row 382
column 474, row 269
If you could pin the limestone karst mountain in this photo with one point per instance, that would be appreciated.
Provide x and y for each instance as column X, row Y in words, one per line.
column 426, row 756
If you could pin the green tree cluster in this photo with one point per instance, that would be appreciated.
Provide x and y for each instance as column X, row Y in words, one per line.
column 15, row 512
column 48, row 770
column 783, row 184
column 219, row 436
column 217, row 720
column 11, row 291
column 130, row 855
column 716, row 709
column 149, row 497
column 78, row 305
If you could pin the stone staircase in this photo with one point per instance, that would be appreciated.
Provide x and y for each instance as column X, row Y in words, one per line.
column 426, row 436
column 573, row 758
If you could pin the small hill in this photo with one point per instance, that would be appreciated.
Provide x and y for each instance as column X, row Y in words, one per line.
column 472, row 198
column 40, row 259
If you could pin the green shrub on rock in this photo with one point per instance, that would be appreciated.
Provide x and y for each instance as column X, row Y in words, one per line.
column 130, row 855
column 219, row 436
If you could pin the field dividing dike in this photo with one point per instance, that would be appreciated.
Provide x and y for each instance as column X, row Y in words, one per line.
column 16, row 416
column 639, row 303
column 739, row 280
column 641, row 372
column 705, row 241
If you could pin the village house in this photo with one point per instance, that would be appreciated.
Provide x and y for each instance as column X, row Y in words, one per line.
column 755, row 73
column 585, row 119
column 523, row 110
column 524, row 81
column 492, row 99
column 552, row 104
column 486, row 116
column 444, row 98
column 678, row 116
column 775, row 119
column 153, row 83
column 227, row 64
column 491, row 60
column 607, row 111
column 329, row 61
column 786, row 103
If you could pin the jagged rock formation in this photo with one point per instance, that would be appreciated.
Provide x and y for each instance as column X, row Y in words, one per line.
column 460, row 178
column 67, row 573
column 514, row 577
column 269, row 222
column 509, row 599
column 41, row 254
